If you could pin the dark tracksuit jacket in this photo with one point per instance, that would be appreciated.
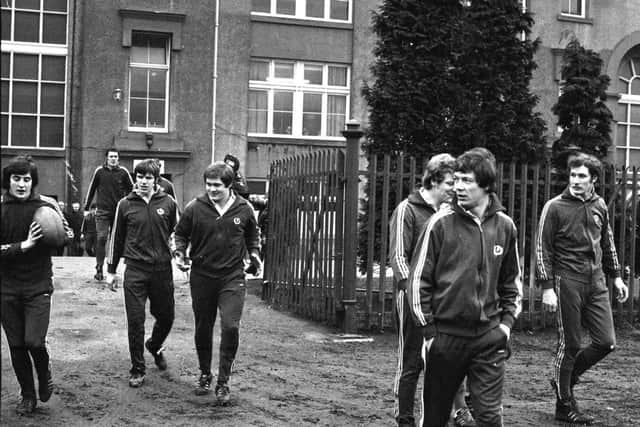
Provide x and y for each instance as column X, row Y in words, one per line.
column 217, row 242
column 407, row 222
column 575, row 238
column 465, row 275
column 141, row 235
column 111, row 185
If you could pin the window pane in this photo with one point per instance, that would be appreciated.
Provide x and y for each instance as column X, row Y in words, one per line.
column 313, row 73
column 4, row 105
column 4, row 63
column 156, row 114
column 260, row 6
column 53, row 68
column 6, row 25
column 257, row 111
column 138, row 112
column 28, row 4
column 54, row 29
column 55, row 5
column 158, row 49
column 52, row 132
column 27, row 27
column 4, row 128
column 339, row 9
column 25, row 67
column 25, row 97
column 286, row 7
column 282, row 112
column 337, row 76
column 635, row 86
column 138, row 51
column 336, row 111
column 23, row 131
column 283, row 70
column 52, row 99
column 138, row 83
column 259, row 70
column 315, row 8
column 312, row 114
column 621, row 137
column 157, row 83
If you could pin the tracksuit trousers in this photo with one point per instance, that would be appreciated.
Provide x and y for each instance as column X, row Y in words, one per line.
column 410, row 361
column 25, row 321
column 207, row 297
column 156, row 285
column 581, row 304
column 482, row 360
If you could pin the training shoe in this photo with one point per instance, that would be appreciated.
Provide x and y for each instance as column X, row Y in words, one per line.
column 136, row 380
column 26, row 405
column 161, row 362
column 204, row 385
column 99, row 276
column 45, row 387
column 463, row 418
column 568, row 411
column 222, row 394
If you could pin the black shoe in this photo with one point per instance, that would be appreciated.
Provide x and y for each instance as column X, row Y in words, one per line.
column 45, row 387
column 222, row 394
column 161, row 362
column 204, row 384
column 99, row 276
column 568, row 411
column 26, row 405
column 136, row 380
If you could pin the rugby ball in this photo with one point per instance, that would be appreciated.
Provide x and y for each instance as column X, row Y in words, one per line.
column 53, row 233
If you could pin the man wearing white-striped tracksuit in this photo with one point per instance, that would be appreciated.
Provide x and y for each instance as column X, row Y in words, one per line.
column 464, row 288
column 575, row 249
column 407, row 223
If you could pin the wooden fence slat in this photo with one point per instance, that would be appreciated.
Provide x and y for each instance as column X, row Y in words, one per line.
column 384, row 224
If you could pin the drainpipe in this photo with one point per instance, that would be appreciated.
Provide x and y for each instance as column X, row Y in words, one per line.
column 215, row 81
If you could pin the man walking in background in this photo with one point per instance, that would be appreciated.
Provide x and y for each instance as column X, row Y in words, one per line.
column 88, row 231
column 75, row 218
column 109, row 183
column 407, row 222
column 220, row 227
column 464, row 289
column 575, row 250
column 144, row 222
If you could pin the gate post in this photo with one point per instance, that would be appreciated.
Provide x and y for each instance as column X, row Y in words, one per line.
column 352, row 133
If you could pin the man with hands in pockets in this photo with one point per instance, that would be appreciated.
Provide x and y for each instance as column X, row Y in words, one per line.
column 465, row 290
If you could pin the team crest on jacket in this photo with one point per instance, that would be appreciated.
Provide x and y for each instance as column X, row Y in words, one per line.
column 236, row 221
column 597, row 220
column 498, row 250
column 160, row 211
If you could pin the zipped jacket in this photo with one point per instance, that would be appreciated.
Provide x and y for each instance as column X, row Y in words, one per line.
column 218, row 242
column 111, row 186
column 575, row 239
column 141, row 232
column 405, row 228
column 465, row 273
column 24, row 273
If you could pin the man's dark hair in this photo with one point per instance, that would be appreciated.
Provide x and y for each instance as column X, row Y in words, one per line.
column 20, row 165
column 437, row 167
column 592, row 163
column 148, row 166
column 111, row 150
column 234, row 160
column 220, row 170
column 482, row 165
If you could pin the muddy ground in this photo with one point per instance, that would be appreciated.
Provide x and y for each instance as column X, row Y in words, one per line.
column 289, row 372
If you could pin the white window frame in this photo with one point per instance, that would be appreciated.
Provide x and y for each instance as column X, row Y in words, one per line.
column 583, row 9
column 627, row 99
column 299, row 87
column 164, row 67
column 301, row 8
column 39, row 49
